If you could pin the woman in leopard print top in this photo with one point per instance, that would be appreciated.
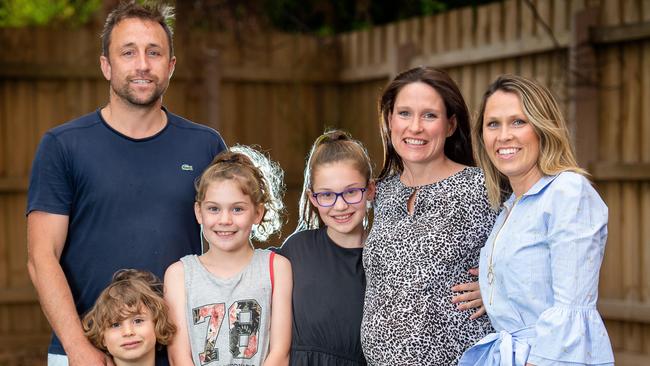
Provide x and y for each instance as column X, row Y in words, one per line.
column 432, row 217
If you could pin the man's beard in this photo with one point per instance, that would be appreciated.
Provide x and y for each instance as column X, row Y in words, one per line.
column 125, row 92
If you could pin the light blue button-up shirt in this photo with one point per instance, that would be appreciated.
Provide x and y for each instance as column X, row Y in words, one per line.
column 546, row 251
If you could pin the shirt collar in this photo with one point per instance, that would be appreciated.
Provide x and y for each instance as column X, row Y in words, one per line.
column 535, row 189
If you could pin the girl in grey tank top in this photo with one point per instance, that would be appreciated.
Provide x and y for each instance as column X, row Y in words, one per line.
column 232, row 304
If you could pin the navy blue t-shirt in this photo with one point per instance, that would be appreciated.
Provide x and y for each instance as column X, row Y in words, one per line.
column 129, row 201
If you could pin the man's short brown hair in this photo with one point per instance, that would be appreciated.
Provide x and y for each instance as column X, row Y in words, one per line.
column 156, row 12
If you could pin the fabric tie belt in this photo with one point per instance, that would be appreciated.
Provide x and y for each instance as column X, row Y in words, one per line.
column 500, row 349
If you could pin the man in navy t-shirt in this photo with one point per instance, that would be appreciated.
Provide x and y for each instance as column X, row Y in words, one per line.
column 115, row 188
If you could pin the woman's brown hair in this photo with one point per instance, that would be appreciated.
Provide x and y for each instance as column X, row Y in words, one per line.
column 458, row 146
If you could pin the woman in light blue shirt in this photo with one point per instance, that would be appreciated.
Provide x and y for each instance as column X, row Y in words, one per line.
column 539, row 267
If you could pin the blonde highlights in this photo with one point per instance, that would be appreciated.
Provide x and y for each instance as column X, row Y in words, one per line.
column 129, row 292
column 543, row 113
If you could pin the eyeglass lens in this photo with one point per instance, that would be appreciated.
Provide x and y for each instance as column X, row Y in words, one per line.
column 350, row 196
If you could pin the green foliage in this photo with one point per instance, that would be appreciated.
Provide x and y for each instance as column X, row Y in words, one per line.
column 20, row 13
column 325, row 17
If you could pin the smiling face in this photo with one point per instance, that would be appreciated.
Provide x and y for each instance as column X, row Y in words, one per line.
column 139, row 64
column 342, row 219
column 132, row 339
column 419, row 125
column 227, row 216
column 510, row 141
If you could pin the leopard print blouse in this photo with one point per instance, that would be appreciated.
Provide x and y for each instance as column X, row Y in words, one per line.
column 411, row 263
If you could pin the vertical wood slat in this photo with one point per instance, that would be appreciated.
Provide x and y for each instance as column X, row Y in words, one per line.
column 512, row 20
column 527, row 18
column 466, row 28
column 20, row 104
column 631, row 104
column 496, row 17
column 441, row 22
column 467, row 88
column 561, row 16
column 428, row 35
column 364, row 47
column 611, row 284
column 644, row 203
column 608, row 150
column 583, row 91
column 4, row 119
column 496, row 68
column 390, row 48
column 482, row 27
column 481, row 82
column 4, row 240
column 453, row 30
column 402, row 32
column 645, row 157
column 16, row 241
column 354, row 49
column 631, row 11
column 631, row 194
column 545, row 20
column 527, row 66
column 378, row 44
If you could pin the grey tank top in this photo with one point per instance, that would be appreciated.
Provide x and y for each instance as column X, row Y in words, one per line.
column 229, row 320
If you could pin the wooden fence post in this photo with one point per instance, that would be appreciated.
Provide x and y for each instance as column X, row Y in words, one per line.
column 583, row 88
column 212, row 83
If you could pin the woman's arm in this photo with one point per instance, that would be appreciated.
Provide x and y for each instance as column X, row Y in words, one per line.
column 280, row 337
column 571, row 330
column 178, row 350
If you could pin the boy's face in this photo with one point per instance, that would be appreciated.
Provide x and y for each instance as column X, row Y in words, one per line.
column 132, row 339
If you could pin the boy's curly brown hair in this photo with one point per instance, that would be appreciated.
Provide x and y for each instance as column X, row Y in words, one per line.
column 129, row 292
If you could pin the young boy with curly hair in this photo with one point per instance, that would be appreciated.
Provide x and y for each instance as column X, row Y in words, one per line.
column 130, row 318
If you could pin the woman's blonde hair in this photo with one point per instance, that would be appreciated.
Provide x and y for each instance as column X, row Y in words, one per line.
column 543, row 113
column 129, row 292
column 258, row 177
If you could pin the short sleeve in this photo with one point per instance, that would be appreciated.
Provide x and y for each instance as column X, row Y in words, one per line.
column 572, row 331
column 219, row 144
column 50, row 183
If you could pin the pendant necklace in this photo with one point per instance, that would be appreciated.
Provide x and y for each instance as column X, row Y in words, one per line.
column 490, row 274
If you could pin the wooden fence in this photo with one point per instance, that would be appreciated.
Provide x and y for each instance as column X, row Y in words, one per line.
column 280, row 91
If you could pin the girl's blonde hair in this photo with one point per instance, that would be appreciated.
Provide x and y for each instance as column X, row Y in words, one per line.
column 129, row 292
column 331, row 147
column 543, row 113
column 258, row 177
